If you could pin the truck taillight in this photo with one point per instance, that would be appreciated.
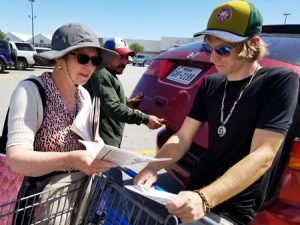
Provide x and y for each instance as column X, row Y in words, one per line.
column 294, row 162
column 159, row 68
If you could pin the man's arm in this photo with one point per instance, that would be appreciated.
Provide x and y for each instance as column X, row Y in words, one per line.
column 113, row 104
column 135, row 101
column 264, row 147
column 176, row 146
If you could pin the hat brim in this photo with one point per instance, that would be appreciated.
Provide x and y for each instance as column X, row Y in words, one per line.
column 125, row 51
column 224, row 35
column 49, row 56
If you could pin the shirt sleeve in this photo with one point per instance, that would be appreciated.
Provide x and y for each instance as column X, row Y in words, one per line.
column 103, row 86
column 25, row 114
column 279, row 101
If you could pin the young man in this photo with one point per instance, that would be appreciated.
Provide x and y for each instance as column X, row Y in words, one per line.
column 248, row 109
column 116, row 110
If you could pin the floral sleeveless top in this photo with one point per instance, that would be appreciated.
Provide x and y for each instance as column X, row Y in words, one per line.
column 55, row 133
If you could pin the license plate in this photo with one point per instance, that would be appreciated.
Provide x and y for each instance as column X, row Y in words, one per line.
column 184, row 74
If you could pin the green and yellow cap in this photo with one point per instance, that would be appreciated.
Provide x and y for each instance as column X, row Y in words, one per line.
column 234, row 21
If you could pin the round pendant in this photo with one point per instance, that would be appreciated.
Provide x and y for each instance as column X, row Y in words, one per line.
column 221, row 131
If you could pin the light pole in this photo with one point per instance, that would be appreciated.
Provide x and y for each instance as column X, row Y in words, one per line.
column 286, row 14
column 32, row 17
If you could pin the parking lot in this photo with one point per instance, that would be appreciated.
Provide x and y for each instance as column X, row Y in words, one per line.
column 136, row 138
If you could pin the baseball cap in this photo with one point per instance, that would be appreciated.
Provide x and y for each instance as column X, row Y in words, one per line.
column 234, row 21
column 119, row 45
column 70, row 37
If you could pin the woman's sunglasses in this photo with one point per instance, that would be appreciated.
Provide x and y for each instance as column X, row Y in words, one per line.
column 221, row 50
column 84, row 59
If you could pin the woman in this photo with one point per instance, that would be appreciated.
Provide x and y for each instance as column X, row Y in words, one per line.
column 40, row 140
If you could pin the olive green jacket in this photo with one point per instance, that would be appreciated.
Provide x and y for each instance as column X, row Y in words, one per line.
column 114, row 110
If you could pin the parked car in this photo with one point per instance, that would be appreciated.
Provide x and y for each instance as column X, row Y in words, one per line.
column 141, row 60
column 169, row 85
column 38, row 62
column 7, row 56
column 25, row 52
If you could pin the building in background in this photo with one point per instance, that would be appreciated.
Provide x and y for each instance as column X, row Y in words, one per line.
column 41, row 40
column 14, row 36
column 152, row 47
column 167, row 43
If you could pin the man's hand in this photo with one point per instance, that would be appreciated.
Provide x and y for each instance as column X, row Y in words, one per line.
column 155, row 122
column 136, row 100
column 187, row 206
column 146, row 178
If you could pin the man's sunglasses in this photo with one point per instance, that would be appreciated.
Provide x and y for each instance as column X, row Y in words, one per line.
column 221, row 50
column 84, row 59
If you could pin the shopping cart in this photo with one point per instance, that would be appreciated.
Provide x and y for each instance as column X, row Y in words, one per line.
column 55, row 206
column 105, row 203
column 111, row 204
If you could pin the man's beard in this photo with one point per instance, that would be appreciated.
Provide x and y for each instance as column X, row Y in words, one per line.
column 120, row 69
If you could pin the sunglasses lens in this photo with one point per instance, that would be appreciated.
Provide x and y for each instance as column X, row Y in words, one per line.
column 96, row 61
column 223, row 50
column 206, row 49
column 83, row 59
column 220, row 50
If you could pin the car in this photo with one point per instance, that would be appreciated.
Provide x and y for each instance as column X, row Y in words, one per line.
column 141, row 60
column 41, row 49
column 7, row 55
column 25, row 52
column 38, row 62
column 170, row 84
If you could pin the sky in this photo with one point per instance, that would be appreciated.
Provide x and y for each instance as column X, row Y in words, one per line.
column 134, row 19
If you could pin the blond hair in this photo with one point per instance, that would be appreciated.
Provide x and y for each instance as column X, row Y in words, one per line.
column 250, row 50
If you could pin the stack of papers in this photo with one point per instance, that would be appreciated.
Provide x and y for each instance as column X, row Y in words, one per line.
column 116, row 155
column 161, row 197
column 86, row 125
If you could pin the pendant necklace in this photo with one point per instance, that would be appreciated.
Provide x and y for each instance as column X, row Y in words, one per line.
column 222, row 129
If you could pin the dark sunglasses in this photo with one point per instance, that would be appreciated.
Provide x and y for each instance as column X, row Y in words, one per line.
column 84, row 59
column 221, row 50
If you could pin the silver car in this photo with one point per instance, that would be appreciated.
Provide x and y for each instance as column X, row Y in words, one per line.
column 141, row 60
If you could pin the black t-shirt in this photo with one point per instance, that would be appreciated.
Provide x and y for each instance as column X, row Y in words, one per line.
column 267, row 103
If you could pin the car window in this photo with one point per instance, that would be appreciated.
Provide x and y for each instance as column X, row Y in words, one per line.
column 3, row 46
column 39, row 50
column 277, row 46
column 24, row 47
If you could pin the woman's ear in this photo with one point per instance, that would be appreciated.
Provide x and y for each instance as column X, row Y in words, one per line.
column 60, row 62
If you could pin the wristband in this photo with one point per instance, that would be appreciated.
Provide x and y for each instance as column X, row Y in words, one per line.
column 204, row 201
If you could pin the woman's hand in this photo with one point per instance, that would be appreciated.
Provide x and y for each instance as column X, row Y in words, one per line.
column 87, row 163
